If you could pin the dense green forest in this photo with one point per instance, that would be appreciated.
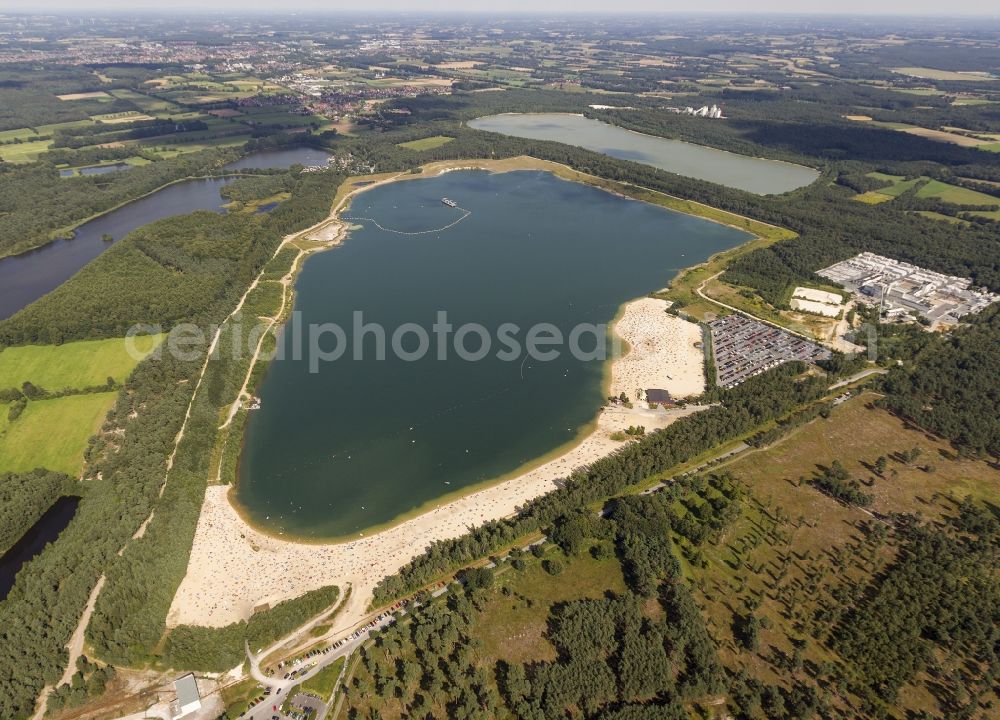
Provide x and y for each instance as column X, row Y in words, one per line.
column 221, row 649
column 950, row 387
column 27, row 95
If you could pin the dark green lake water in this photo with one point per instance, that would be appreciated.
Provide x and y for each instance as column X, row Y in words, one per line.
column 360, row 443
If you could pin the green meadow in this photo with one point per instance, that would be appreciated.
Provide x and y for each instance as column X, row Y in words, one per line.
column 427, row 143
column 78, row 365
column 52, row 434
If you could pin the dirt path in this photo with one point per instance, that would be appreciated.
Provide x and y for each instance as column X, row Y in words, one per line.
column 332, row 221
column 74, row 647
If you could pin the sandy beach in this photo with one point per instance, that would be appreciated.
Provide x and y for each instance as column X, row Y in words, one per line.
column 234, row 568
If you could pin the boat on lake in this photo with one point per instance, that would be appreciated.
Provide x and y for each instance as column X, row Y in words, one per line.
column 449, row 203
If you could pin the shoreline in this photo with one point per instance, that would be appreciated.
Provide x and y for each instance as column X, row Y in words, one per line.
column 356, row 185
column 263, row 568
column 657, row 137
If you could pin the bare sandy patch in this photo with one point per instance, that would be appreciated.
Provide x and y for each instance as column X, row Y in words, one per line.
column 458, row 65
column 83, row 95
column 818, row 295
column 119, row 119
column 942, row 136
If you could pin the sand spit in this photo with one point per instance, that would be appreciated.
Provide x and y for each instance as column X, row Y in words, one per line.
column 234, row 568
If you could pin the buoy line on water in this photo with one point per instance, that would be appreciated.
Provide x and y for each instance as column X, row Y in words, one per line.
column 404, row 232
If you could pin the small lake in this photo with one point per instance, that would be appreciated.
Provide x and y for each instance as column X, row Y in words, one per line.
column 756, row 175
column 25, row 278
column 46, row 530
column 361, row 442
column 94, row 169
column 281, row 158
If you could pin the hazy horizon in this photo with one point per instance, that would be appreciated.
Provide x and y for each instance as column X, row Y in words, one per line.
column 887, row 8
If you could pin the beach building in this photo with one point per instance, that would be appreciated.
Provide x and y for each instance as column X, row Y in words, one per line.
column 658, row 396
column 188, row 698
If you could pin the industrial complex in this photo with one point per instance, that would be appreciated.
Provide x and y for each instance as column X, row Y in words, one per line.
column 744, row 347
column 901, row 289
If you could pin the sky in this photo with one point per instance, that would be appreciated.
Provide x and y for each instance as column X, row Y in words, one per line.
column 852, row 7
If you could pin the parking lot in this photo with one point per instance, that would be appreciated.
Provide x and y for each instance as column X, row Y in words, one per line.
column 744, row 347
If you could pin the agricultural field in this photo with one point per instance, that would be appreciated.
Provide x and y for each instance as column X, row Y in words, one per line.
column 946, row 75
column 427, row 143
column 78, row 365
column 933, row 189
column 53, row 433
column 23, row 152
column 955, row 195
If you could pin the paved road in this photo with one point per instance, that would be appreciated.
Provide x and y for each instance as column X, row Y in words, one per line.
column 279, row 686
column 859, row 376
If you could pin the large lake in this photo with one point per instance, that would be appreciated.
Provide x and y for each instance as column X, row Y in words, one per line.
column 757, row 175
column 363, row 442
column 25, row 278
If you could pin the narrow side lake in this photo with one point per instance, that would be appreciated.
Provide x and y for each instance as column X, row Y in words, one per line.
column 46, row 530
column 361, row 442
column 756, row 175
column 25, row 278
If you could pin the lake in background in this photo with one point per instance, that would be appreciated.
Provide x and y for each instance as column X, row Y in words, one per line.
column 756, row 175
column 281, row 158
column 363, row 442
column 25, row 278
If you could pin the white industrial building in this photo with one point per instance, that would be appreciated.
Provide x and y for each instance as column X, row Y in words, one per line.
column 901, row 289
column 188, row 698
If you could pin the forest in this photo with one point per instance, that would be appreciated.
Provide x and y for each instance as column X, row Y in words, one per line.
column 220, row 649
column 640, row 651
column 128, row 467
column 950, row 386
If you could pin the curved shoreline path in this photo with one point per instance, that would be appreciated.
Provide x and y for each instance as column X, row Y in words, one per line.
column 234, row 567
column 373, row 436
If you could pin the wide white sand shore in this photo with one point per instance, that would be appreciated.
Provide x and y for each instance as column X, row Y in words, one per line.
column 234, row 568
